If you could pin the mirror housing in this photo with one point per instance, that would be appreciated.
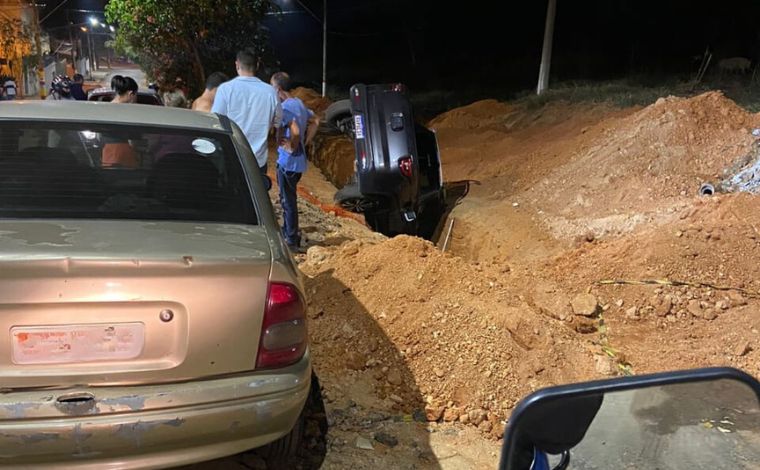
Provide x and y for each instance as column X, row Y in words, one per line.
column 555, row 419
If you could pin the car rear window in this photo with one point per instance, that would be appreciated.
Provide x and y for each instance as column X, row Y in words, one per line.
column 63, row 170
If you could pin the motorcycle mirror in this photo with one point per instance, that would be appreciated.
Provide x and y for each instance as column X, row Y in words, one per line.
column 692, row 419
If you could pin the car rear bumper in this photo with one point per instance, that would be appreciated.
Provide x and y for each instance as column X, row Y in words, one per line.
column 146, row 427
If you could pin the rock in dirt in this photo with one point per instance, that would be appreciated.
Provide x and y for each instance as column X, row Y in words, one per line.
column 694, row 308
column 477, row 416
column 555, row 305
column 604, row 365
column 585, row 326
column 386, row 439
column 355, row 361
column 632, row 313
column 585, row 305
column 664, row 307
column 394, row 378
column 433, row 413
column 737, row 299
column 363, row 443
column 709, row 314
column 317, row 255
column 742, row 348
column 451, row 414
column 350, row 248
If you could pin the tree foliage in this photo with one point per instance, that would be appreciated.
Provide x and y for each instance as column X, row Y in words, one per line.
column 188, row 39
column 15, row 39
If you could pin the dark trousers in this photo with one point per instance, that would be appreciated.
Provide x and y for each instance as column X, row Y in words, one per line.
column 267, row 180
column 288, row 180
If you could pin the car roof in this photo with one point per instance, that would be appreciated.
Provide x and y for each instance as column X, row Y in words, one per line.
column 109, row 113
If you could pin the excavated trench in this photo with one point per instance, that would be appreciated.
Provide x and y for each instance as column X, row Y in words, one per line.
column 334, row 156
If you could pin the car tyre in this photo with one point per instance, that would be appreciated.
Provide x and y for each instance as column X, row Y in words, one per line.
column 351, row 199
column 280, row 454
column 338, row 117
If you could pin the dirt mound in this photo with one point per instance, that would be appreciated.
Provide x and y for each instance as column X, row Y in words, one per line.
column 639, row 167
column 476, row 115
column 472, row 347
column 313, row 100
column 687, row 294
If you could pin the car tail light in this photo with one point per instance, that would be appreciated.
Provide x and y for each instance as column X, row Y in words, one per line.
column 283, row 332
column 405, row 166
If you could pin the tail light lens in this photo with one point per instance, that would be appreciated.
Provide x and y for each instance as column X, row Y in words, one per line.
column 405, row 166
column 283, row 332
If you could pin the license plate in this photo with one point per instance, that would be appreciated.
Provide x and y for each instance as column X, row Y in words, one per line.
column 358, row 126
column 62, row 344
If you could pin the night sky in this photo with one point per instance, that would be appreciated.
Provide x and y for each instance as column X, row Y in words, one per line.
column 496, row 44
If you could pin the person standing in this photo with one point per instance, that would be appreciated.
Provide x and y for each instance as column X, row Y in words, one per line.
column 117, row 152
column 296, row 129
column 252, row 105
column 77, row 88
column 206, row 100
column 9, row 88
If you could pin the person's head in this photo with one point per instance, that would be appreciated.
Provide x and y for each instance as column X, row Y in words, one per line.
column 214, row 80
column 281, row 81
column 247, row 62
column 175, row 99
column 78, row 78
column 125, row 88
column 62, row 85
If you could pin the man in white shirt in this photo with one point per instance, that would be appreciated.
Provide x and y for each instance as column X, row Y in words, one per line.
column 251, row 104
column 9, row 88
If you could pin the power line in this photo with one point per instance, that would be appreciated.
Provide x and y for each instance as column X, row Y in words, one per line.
column 54, row 10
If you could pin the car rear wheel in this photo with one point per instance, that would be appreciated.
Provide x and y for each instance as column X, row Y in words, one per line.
column 351, row 199
column 339, row 118
column 280, row 454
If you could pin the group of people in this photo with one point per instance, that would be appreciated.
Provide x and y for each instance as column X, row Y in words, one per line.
column 258, row 108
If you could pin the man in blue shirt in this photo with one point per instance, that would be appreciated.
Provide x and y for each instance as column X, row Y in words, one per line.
column 296, row 129
column 251, row 104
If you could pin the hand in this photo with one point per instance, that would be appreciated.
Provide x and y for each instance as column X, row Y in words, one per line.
column 286, row 145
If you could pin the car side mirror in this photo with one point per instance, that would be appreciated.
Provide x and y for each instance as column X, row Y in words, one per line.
column 703, row 418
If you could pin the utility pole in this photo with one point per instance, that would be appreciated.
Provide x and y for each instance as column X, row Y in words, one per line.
column 38, row 45
column 546, row 54
column 89, row 52
column 71, row 41
column 324, row 49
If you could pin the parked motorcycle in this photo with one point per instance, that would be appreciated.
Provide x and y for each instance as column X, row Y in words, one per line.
column 694, row 419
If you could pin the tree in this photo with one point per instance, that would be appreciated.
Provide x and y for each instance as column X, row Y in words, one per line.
column 15, row 39
column 172, row 39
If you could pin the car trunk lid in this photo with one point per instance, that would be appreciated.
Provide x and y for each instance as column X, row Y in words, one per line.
column 128, row 302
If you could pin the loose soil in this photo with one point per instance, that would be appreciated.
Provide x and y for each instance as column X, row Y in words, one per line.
column 569, row 195
column 585, row 252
